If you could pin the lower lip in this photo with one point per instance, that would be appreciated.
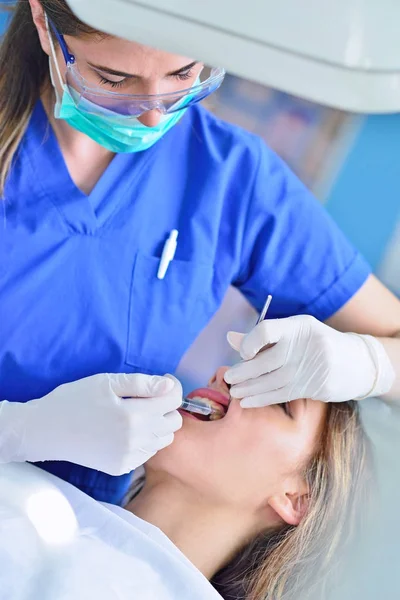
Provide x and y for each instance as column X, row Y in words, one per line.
column 189, row 415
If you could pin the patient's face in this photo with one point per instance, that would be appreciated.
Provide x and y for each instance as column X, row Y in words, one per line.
column 248, row 454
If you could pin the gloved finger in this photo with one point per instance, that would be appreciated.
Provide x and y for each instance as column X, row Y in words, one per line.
column 138, row 385
column 274, row 397
column 177, row 384
column 235, row 339
column 264, row 383
column 153, row 406
column 170, row 423
column 263, row 334
column 268, row 360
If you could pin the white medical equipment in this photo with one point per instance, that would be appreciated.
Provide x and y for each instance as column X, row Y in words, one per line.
column 344, row 54
column 57, row 543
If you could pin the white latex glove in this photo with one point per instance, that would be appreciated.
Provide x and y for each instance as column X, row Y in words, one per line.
column 300, row 357
column 109, row 422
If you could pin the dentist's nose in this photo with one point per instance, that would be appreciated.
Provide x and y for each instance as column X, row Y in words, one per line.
column 150, row 118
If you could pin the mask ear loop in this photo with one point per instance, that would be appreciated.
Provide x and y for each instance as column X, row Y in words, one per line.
column 54, row 57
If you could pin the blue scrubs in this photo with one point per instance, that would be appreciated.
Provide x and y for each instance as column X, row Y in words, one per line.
column 78, row 288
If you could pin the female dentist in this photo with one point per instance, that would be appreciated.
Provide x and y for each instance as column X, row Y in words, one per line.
column 104, row 152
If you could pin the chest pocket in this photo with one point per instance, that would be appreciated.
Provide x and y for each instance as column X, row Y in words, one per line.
column 165, row 315
column 7, row 245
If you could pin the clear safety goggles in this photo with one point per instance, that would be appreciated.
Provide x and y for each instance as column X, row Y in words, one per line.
column 81, row 88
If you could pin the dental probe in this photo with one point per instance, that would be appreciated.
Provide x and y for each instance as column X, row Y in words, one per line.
column 264, row 311
column 263, row 314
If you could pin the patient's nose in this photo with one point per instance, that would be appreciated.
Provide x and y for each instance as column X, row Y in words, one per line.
column 217, row 381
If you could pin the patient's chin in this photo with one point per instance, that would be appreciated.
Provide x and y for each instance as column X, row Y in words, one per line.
column 179, row 456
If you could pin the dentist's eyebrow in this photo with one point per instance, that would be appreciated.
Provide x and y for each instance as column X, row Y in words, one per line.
column 117, row 73
column 111, row 71
column 183, row 69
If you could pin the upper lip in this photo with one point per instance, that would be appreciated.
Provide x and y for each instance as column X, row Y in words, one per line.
column 211, row 394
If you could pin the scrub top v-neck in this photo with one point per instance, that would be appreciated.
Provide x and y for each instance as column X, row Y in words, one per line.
column 79, row 292
column 82, row 213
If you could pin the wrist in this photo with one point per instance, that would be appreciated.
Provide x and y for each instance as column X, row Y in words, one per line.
column 383, row 371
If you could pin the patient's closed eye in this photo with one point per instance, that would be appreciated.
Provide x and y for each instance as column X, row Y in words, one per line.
column 285, row 406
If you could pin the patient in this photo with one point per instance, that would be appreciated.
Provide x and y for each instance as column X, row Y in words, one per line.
column 260, row 500
column 253, row 506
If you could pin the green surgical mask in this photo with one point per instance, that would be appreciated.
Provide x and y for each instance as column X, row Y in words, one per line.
column 115, row 132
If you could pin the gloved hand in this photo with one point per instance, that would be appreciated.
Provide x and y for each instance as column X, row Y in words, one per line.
column 300, row 357
column 109, row 422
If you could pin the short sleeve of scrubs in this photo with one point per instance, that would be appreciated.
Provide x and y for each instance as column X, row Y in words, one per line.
column 292, row 249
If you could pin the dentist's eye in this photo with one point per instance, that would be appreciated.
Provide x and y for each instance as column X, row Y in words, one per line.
column 185, row 75
column 113, row 84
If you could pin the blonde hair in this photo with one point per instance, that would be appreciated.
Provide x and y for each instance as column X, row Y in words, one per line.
column 287, row 563
column 24, row 73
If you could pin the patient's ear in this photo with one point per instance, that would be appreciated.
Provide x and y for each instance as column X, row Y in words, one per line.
column 290, row 507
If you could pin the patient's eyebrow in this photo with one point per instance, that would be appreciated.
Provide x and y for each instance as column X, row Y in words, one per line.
column 303, row 405
column 297, row 407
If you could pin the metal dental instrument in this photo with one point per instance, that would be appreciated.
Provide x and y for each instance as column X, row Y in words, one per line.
column 264, row 311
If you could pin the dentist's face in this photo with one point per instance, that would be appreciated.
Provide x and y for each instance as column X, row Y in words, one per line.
column 116, row 65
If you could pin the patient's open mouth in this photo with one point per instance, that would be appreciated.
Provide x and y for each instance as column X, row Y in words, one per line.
column 213, row 398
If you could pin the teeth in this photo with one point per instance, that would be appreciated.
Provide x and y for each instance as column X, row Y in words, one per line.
column 214, row 405
column 215, row 416
column 220, row 409
column 209, row 402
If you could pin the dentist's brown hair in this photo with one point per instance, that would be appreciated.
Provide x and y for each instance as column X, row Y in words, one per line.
column 24, row 72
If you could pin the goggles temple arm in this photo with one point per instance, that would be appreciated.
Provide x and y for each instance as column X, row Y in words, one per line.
column 69, row 58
